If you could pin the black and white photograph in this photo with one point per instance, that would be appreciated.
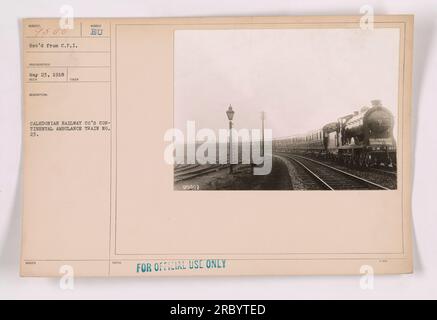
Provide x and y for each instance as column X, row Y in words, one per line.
column 286, row 109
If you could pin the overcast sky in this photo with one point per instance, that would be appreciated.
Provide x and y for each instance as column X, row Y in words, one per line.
column 301, row 78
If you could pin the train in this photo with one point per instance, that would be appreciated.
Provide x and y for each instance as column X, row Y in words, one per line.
column 363, row 139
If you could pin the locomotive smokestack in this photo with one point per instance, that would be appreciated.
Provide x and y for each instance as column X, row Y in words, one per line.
column 376, row 103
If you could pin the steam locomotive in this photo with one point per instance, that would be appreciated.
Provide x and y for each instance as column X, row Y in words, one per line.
column 361, row 139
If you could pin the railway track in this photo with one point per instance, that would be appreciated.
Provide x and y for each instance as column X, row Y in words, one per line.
column 322, row 176
column 386, row 172
column 186, row 172
column 185, row 167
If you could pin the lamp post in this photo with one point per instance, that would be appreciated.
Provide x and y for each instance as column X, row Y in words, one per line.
column 230, row 114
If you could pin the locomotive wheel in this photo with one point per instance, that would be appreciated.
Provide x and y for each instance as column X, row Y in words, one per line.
column 351, row 161
column 356, row 162
column 390, row 161
column 364, row 161
column 367, row 161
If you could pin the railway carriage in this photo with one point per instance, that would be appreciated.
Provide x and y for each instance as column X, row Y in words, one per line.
column 362, row 139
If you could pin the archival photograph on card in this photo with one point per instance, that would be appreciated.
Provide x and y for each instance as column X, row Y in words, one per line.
column 285, row 109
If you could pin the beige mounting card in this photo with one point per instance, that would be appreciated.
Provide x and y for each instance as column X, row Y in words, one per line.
column 324, row 189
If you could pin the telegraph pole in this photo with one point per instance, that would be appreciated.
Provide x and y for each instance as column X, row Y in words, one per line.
column 230, row 114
